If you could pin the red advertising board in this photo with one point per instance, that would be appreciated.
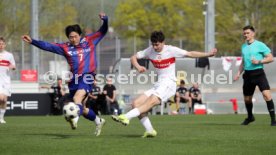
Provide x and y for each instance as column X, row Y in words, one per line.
column 29, row 75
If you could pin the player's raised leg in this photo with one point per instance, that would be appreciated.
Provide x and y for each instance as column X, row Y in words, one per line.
column 89, row 114
column 78, row 97
column 144, row 119
column 142, row 108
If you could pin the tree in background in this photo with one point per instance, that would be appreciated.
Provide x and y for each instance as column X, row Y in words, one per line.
column 14, row 17
column 88, row 11
column 178, row 19
column 233, row 15
column 53, row 17
column 183, row 19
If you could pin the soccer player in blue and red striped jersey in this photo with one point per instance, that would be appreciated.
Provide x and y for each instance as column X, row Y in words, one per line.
column 80, row 53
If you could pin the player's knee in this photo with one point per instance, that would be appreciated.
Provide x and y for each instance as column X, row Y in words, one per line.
column 154, row 100
column 267, row 97
column 134, row 104
column 247, row 99
column 85, row 111
column 77, row 99
column 2, row 99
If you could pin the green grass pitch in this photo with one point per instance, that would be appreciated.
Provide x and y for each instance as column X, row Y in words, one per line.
column 186, row 134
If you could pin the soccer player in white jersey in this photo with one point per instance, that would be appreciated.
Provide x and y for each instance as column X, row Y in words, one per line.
column 7, row 63
column 163, row 59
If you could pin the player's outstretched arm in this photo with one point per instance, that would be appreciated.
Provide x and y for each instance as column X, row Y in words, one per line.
column 196, row 54
column 27, row 39
column 54, row 48
column 103, row 29
column 97, row 36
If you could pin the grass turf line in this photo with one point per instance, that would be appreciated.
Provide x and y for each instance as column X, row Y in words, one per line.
column 186, row 134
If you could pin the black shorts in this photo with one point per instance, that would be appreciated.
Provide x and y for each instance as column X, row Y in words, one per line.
column 194, row 101
column 183, row 100
column 254, row 78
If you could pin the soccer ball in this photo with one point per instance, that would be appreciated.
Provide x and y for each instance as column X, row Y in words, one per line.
column 71, row 110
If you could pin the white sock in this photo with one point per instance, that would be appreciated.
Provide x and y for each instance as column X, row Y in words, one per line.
column 2, row 113
column 146, row 123
column 132, row 113
column 97, row 120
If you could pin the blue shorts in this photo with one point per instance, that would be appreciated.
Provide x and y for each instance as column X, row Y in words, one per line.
column 78, row 83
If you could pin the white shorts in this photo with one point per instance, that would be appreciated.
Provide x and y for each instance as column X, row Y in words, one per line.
column 5, row 89
column 163, row 89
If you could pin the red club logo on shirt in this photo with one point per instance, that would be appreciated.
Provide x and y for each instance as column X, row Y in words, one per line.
column 159, row 58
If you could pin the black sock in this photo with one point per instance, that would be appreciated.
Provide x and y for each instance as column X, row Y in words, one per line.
column 190, row 110
column 249, row 107
column 271, row 110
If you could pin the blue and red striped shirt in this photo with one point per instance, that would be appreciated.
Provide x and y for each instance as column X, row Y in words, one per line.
column 81, row 58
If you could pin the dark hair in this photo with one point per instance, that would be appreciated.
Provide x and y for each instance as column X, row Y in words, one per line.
column 72, row 28
column 182, row 82
column 157, row 36
column 249, row 27
column 2, row 38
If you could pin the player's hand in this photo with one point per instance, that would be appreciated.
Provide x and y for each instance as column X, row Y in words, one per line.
column 254, row 61
column 141, row 69
column 236, row 78
column 11, row 67
column 109, row 99
column 213, row 52
column 27, row 38
column 102, row 15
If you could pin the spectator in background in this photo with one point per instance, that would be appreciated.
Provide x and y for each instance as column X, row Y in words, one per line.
column 195, row 95
column 182, row 98
column 58, row 96
column 7, row 63
column 93, row 98
column 110, row 91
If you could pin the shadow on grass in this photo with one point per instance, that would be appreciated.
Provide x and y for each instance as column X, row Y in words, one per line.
column 54, row 136
column 125, row 136
column 222, row 124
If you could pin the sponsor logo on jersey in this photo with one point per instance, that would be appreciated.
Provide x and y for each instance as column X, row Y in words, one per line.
column 162, row 63
column 4, row 63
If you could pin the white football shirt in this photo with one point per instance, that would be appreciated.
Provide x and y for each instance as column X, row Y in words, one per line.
column 6, row 59
column 164, row 61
